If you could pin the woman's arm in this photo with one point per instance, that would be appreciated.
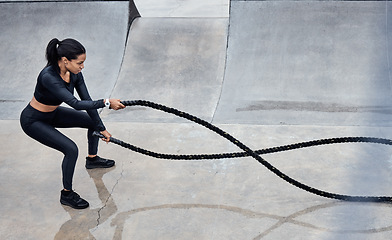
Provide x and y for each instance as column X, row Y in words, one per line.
column 81, row 88
column 58, row 89
column 84, row 95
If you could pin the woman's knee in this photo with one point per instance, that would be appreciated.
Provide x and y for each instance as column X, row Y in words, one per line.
column 71, row 150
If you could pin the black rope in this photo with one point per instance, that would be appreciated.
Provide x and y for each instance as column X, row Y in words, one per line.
column 255, row 154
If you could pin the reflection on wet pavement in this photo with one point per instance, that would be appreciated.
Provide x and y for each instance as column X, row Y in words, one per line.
column 82, row 221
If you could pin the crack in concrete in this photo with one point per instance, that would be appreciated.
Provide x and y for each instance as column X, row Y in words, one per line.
column 110, row 195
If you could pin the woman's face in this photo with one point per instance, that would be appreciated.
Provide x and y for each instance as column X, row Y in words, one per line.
column 75, row 66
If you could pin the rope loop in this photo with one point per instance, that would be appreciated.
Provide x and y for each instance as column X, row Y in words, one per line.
column 246, row 151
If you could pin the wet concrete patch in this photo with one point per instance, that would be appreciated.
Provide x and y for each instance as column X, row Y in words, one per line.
column 313, row 107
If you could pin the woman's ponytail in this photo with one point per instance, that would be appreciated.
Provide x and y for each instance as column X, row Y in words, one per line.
column 56, row 49
column 51, row 53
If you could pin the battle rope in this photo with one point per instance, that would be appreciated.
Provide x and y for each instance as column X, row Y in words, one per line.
column 254, row 154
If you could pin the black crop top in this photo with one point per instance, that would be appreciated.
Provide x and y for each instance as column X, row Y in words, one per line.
column 51, row 89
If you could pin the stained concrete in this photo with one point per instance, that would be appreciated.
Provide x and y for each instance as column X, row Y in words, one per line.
column 223, row 69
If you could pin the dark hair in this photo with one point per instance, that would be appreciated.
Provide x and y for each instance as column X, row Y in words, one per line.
column 69, row 48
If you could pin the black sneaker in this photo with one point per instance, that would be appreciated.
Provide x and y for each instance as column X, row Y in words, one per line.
column 98, row 162
column 72, row 199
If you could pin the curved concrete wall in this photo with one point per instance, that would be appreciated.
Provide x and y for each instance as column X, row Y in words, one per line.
column 26, row 28
column 175, row 56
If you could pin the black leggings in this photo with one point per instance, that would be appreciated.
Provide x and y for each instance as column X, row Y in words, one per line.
column 41, row 127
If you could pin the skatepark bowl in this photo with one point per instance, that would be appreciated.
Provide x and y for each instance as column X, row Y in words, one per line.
column 268, row 73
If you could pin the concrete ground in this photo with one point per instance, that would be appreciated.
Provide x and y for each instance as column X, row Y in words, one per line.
column 269, row 73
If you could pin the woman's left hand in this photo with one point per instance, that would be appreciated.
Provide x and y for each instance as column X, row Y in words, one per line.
column 107, row 136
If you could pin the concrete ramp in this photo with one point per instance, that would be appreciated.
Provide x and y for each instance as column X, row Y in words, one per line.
column 175, row 55
column 178, row 62
column 296, row 62
column 27, row 27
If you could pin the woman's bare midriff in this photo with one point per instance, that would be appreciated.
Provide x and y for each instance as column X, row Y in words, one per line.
column 42, row 107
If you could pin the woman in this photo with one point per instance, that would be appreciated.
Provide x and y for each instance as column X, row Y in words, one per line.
column 41, row 117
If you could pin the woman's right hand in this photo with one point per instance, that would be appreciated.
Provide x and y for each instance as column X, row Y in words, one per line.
column 107, row 136
column 116, row 104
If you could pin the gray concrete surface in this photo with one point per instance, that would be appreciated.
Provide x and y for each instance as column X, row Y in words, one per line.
column 322, row 63
column 176, row 62
column 26, row 28
column 269, row 73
